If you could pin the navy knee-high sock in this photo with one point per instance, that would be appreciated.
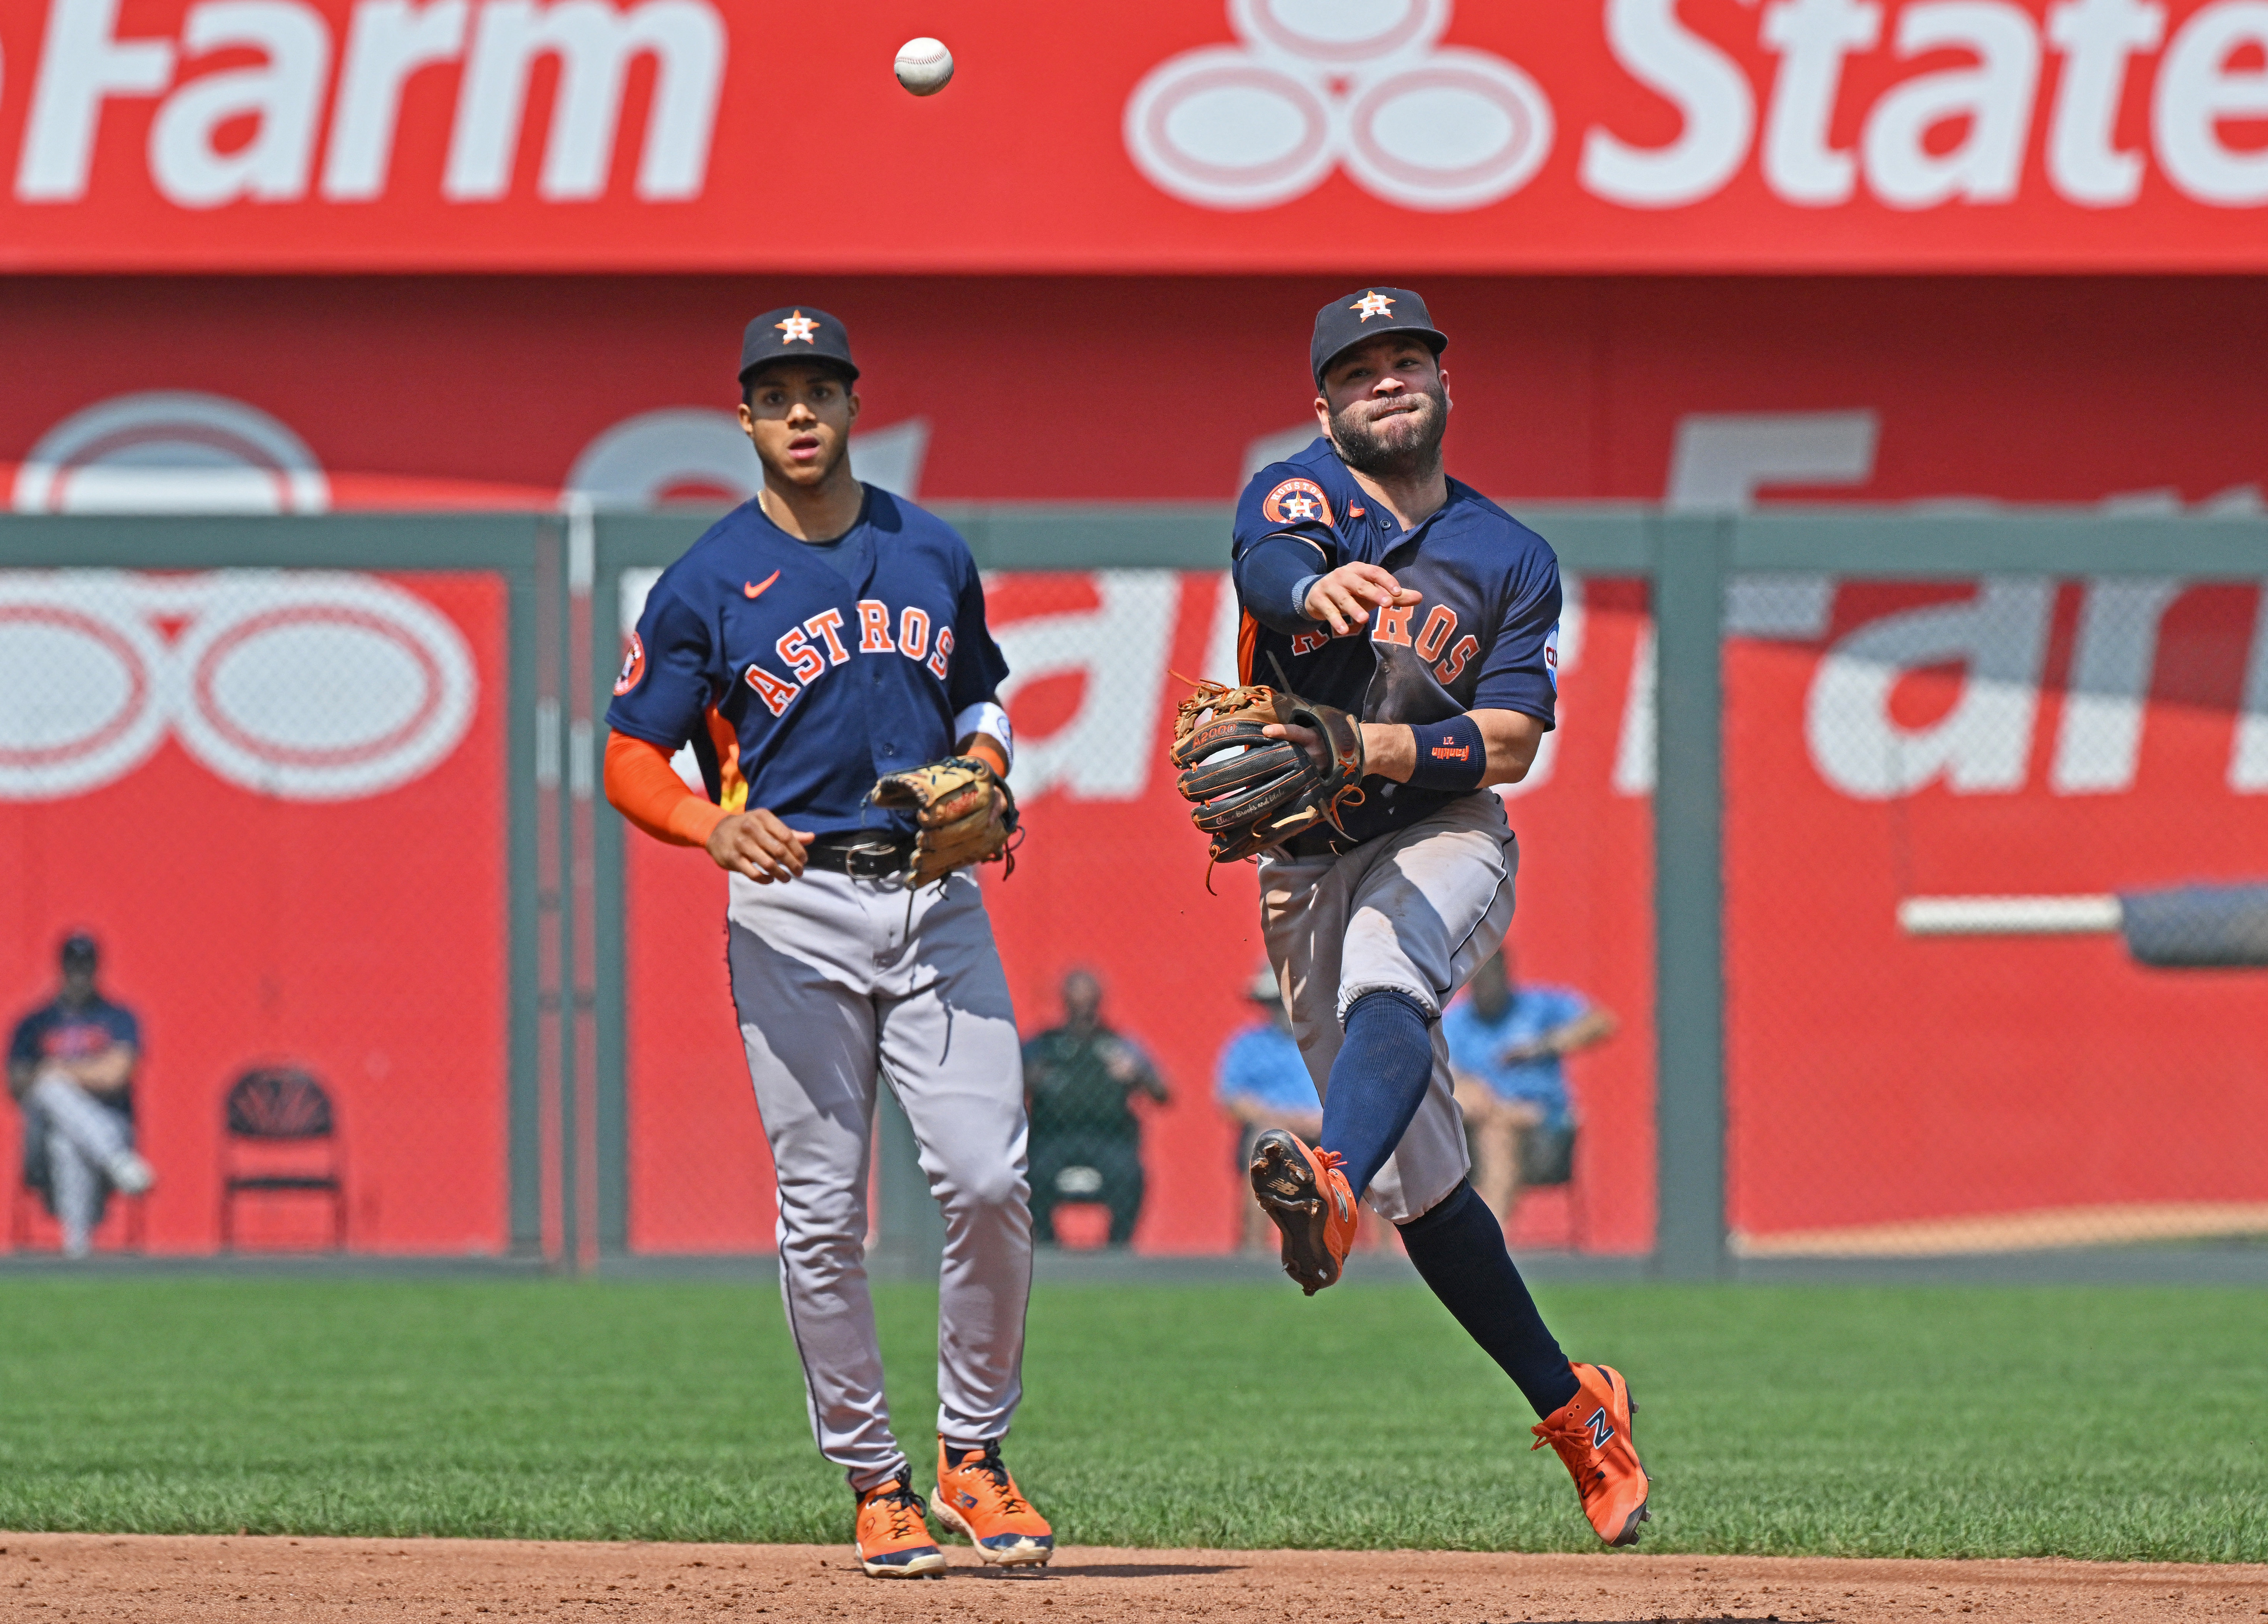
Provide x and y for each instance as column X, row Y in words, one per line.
column 1460, row 1251
column 1377, row 1083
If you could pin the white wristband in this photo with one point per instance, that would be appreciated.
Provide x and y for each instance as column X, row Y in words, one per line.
column 990, row 720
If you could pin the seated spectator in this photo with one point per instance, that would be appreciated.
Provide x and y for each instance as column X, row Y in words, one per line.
column 1262, row 1082
column 71, row 1068
column 1505, row 1043
column 1086, row 1140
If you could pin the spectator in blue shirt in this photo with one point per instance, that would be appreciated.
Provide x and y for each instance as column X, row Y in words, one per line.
column 71, row 1068
column 1506, row 1041
column 1262, row 1082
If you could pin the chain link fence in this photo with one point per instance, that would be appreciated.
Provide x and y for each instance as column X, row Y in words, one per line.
column 255, row 928
column 1996, row 930
column 1149, row 1060
column 1991, row 936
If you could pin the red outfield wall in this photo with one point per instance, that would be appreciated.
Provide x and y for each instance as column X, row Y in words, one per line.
column 1886, row 742
column 1875, row 1078
column 279, row 803
column 1113, row 877
column 387, row 392
column 313, row 394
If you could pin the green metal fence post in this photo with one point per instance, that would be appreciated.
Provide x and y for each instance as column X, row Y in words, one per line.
column 610, row 1008
column 526, row 753
column 1688, row 597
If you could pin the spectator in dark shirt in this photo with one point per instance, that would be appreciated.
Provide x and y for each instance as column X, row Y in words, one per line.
column 1085, row 1140
column 70, row 1069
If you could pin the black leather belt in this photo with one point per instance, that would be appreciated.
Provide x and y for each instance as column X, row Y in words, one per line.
column 874, row 855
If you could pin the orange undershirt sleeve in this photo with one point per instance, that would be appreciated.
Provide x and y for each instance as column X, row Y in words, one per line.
column 643, row 786
column 983, row 749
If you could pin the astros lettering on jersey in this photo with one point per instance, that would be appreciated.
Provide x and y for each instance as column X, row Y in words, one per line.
column 1483, row 634
column 806, row 668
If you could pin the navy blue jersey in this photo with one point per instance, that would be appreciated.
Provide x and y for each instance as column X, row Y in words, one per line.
column 57, row 1032
column 799, row 679
column 1483, row 636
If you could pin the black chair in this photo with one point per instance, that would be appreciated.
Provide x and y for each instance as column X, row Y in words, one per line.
column 1547, row 1161
column 269, row 1108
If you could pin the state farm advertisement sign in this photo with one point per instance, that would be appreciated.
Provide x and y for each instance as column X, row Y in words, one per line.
column 1180, row 135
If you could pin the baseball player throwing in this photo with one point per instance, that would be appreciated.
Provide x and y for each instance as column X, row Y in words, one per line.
column 821, row 649
column 1412, row 626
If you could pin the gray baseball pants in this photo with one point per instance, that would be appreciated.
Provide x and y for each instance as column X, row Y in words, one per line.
column 839, row 982
column 1415, row 912
column 85, row 1139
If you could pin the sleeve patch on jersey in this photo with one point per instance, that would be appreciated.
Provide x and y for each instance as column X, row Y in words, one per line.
column 633, row 671
column 1551, row 655
column 1297, row 501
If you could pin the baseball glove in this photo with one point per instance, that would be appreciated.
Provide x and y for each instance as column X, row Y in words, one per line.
column 962, row 814
column 1252, row 791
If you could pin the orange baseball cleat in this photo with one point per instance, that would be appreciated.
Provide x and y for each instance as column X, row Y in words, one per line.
column 975, row 1498
column 1305, row 1193
column 1592, row 1432
column 894, row 1540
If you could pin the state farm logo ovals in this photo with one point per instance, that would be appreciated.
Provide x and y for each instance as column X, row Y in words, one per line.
column 1460, row 131
column 321, row 687
column 307, row 686
column 83, row 687
column 1345, row 33
column 1319, row 85
column 1216, row 127
column 171, row 452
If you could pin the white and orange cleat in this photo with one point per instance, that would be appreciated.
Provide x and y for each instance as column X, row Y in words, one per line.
column 977, row 1498
column 894, row 1540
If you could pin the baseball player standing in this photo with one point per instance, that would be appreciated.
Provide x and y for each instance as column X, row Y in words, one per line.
column 821, row 636
column 1381, row 588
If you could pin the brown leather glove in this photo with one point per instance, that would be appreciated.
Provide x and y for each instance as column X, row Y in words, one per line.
column 1252, row 791
column 962, row 814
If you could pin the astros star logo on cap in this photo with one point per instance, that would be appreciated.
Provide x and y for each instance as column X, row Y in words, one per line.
column 1372, row 304
column 800, row 326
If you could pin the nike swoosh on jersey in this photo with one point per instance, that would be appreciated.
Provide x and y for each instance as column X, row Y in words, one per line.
column 758, row 592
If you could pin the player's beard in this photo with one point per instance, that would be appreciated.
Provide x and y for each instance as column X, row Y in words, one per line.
column 1396, row 446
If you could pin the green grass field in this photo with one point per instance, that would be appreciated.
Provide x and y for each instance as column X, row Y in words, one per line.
column 1970, row 1421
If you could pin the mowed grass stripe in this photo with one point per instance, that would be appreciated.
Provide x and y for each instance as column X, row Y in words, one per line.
column 2122, row 1424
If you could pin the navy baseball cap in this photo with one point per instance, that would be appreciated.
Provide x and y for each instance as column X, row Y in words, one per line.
column 79, row 948
column 1366, row 314
column 795, row 333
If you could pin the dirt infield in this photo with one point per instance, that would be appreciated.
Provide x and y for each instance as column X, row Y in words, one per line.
column 160, row 1579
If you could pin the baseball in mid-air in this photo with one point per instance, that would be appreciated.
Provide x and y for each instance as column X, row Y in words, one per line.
column 924, row 66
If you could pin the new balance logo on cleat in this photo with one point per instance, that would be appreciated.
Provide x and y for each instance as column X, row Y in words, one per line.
column 1599, row 1454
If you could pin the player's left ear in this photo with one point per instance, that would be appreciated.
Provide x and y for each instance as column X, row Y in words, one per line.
column 1447, row 404
column 850, row 402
